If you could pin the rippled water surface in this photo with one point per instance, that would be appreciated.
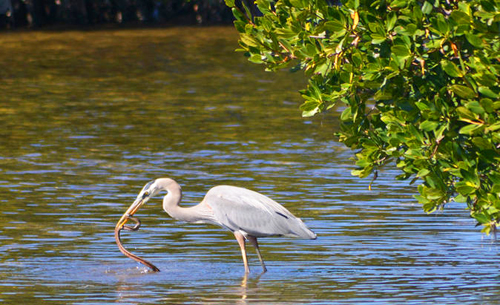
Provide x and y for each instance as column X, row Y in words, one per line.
column 87, row 118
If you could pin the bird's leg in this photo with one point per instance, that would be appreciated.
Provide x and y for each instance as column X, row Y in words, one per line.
column 137, row 224
column 241, row 241
column 253, row 241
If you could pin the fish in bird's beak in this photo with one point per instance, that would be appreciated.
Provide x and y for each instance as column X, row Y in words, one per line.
column 128, row 214
column 141, row 199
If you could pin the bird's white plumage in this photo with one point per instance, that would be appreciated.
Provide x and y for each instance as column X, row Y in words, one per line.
column 251, row 213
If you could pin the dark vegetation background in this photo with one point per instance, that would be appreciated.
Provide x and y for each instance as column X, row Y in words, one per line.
column 46, row 13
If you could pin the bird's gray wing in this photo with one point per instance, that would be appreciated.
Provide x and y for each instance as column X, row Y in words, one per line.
column 252, row 213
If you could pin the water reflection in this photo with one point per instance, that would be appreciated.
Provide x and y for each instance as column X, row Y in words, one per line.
column 95, row 115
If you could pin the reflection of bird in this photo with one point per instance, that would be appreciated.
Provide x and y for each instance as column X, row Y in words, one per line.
column 246, row 213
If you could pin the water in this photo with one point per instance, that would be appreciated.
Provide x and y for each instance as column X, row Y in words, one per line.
column 89, row 117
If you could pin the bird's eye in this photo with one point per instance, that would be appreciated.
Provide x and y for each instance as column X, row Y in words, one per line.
column 146, row 194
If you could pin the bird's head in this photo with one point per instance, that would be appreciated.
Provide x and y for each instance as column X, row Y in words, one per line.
column 151, row 189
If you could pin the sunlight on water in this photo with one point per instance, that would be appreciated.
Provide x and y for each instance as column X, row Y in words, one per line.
column 89, row 117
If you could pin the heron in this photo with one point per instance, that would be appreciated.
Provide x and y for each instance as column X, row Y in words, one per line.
column 247, row 214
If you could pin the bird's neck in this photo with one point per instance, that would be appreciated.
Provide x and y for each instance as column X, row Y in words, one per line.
column 172, row 199
column 171, row 206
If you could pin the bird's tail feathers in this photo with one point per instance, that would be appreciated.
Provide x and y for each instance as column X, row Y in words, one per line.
column 300, row 230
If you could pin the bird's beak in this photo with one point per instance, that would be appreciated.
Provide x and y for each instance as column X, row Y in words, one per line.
column 131, row 211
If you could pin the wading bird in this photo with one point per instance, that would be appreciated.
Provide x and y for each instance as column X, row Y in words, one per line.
column 246, row 213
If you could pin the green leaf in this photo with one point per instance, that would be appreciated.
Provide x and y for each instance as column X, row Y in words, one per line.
column 249, row 40
column 470, row 177
column 422, row 106
column 346, row 114
column 486, row 229
column 460, row 17
column 428, row 125
column 426, row 8
column 434, row 193
column 464, row 189
column 365, row 172
column 487, row 92
column 263, row 5
column 475, row 107
column 416, row 133
column 474, row 40
column 496, row 188
column 439, row 132
column 465, row 113
column 229, row 3
column 401, row 51
column 493, row 127
column 352, row 4
column 463, row 91
column 481, row 218
column 423, row 172
column 285, row 33
column 335, row 26
column 482, row 143
column 469, row 129
column 435, row 43
column 239, row 15
column 256, row 58
column 442, row 24
column 417, row 13
column 377, row 38
column 450, row 68
column 398, row 4
column 357, row 59
column 298, row 3
column 310, row 108
column 391, row 21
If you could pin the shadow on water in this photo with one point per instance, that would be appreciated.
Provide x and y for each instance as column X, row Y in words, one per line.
column 89, row 117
